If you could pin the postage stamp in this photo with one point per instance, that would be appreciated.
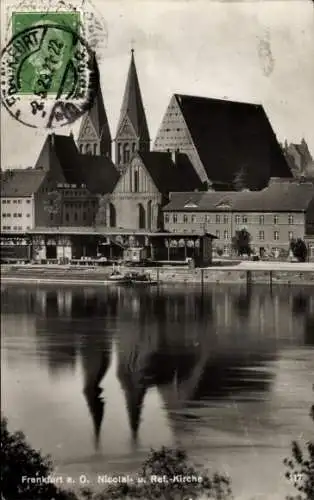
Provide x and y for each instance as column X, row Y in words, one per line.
column 93, row 27
column 49, row 74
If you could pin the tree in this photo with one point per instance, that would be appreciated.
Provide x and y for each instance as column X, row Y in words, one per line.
column 300, row 468
column 299, row 249
column 241, row 242
column 19, row 460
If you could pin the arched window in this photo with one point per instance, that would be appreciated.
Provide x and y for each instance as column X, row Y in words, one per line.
column 141, row 216
column 95, row 149
column 126, row 152
column 149, row 214
column 136, row 183
column 134, row 147
column 81, row 148
column 88, row 149
column 112, row 215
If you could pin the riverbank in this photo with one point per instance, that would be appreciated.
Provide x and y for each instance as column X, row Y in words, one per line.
column 272, row 273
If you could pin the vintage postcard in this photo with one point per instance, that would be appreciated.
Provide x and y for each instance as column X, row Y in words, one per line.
column 157, row 249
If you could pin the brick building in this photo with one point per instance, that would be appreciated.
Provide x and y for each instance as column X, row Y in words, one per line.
column 273, row 216
column 144, row 188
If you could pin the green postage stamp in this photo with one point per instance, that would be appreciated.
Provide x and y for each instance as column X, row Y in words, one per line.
column 49, row 73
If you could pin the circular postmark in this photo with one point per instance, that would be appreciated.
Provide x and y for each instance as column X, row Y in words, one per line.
column 49, row 76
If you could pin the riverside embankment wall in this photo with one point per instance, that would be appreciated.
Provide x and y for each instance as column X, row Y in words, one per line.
column 97, row 275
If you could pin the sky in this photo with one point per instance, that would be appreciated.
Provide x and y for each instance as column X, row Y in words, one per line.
column 253, row 51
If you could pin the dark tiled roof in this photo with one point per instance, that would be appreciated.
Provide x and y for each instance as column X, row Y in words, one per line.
column 98, row 172
column 20, row 182
column 233, row 137
column 169, row 176
column 132, row 104
column 277, row 197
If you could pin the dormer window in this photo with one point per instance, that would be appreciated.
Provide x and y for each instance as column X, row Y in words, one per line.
column 190, row 204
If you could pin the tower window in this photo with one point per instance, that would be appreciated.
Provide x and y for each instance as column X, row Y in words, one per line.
column 126, row 153
column 136, row 181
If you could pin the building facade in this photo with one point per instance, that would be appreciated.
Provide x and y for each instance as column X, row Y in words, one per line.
column 18, row 197
column 143, row 189
column 273, row 217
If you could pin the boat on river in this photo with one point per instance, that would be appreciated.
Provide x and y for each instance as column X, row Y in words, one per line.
column 118, row 278
column 142, row 279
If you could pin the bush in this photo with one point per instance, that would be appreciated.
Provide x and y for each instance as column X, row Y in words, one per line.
column 299, row 249
column 171, row 467
column 301, row 469
column 18, row 459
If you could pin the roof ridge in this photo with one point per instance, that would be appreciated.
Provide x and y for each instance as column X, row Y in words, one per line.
column 220, row 99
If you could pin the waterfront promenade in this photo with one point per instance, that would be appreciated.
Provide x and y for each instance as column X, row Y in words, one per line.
column 245, row 272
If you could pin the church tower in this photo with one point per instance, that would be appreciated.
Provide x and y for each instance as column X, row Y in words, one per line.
column 132, row 131
column 94, row 136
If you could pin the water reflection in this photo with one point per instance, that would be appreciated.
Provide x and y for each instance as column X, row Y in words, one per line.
column 194, row 348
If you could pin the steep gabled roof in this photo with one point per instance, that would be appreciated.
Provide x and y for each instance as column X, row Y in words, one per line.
column 233, row 137
column 98, row 172
column 132, row 104
column 21, row 182
column 279, row 196
column 169, row 176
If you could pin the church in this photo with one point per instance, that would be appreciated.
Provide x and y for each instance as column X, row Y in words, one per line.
column 202, row 144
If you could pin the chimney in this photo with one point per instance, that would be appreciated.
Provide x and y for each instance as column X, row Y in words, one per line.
column 174, row 155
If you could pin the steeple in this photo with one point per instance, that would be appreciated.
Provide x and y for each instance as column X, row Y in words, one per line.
column 132, row 131
column 94, row 137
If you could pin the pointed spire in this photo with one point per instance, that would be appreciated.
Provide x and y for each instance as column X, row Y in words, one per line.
column 132, row 104
column 97, row 117
column 134, row 391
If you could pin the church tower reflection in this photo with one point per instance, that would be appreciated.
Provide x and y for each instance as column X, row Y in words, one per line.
column 96, row 357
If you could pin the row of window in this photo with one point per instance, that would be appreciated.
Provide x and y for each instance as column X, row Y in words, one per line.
column 223, row 219
column 14, row 215
column 261, row 235
column 16, row 201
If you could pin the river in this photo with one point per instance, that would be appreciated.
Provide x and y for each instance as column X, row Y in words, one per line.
column 97, row 376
